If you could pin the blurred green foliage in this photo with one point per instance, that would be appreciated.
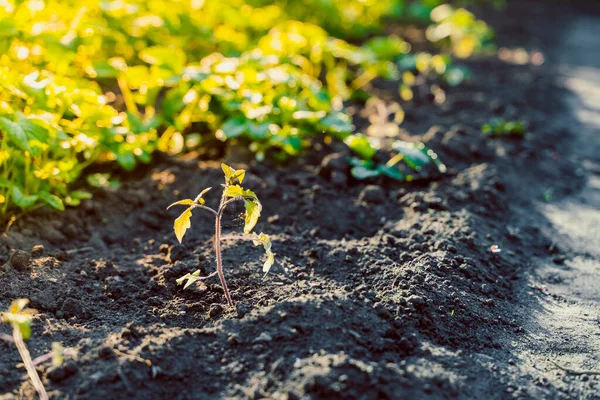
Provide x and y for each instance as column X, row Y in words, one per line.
column 114, row 81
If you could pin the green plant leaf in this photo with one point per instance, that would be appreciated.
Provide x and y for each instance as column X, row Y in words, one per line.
column 52, row 200
column 233, row 191
column 182, row 224
column 361, row 172
column 31, row 129
column 234, row 127
column 80, row 195
column 185, row 202
column 22, row 200
column 253, row 210
column 15, row 133
column 231, row 175
column 361, row 146
column 337, row 122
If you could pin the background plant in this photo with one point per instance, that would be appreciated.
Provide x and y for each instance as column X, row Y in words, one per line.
column 114, row 81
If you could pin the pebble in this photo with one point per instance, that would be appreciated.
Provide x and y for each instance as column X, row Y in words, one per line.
column 263, row 338
column 20, row 260
column 372, row 194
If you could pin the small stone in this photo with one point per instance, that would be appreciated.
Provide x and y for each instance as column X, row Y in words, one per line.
column 62, row 372
column 20, row 260
column 417, row 301
column 333, row 162
column 37, row 250
column 372, row 194
column 263, row 338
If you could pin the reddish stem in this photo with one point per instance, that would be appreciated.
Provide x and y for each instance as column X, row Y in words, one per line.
column 219, row 261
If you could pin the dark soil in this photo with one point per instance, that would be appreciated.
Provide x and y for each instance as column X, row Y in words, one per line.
column 380, row 290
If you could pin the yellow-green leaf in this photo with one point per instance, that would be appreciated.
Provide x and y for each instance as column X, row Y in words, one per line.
column 253, row 210
column 231, row 175
column 263, row 239
column 186, row 202
column 182, row 224
column 234, row 191
column 238, row 175
column 199, row 198
column 269, row 263
column 191, row 278
column 227, row 170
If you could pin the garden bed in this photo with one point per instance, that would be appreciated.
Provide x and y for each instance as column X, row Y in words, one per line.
column 380, row 289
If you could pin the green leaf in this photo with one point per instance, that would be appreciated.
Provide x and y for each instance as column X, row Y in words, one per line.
column 234, row 127
column 259, row 131
column 337, row 122
column 126, row 160
column 31, row 129
column 182, row 224
column 22, row 200
column 233, row 191
column 391, row 172
column 361, row 172
column 253, row 210
column 5, row 183
column 15, row 133
column 166, row 57
column 185, row 202
column 361, row 146
column 52, row 200
column 80, row 195
column 231, row 175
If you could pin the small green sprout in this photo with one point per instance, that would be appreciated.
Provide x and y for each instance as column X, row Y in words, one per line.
column 499, row 127
column 20, row 318
column 232, row 191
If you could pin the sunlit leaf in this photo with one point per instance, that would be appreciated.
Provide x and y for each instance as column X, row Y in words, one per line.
column 269, row 262
column 52, row 200
column 253, row 210
column 234, row 127
column 15, row 133
column 190, row 278
column 199, row 198
column 21, row 199
column 185, row 202
column 361, row 145
column 182, row 224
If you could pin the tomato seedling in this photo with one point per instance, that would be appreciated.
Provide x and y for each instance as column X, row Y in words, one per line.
column 20, row 319
column 232, row 191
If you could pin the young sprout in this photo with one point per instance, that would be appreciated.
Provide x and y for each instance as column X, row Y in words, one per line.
column 232, row 191
column 20, row 319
